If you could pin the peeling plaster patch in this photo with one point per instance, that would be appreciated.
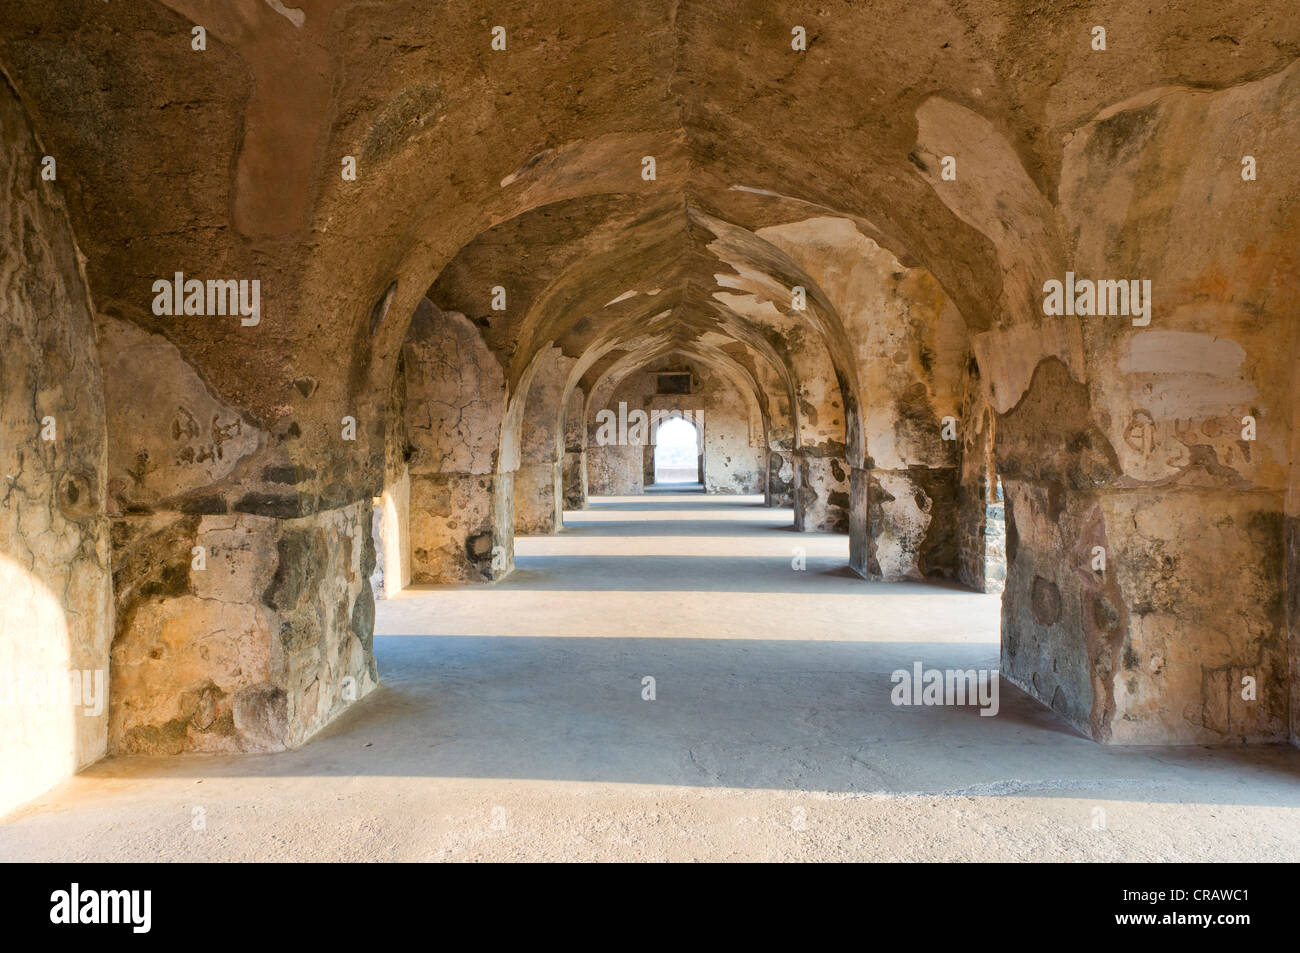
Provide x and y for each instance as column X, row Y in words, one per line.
column 292, row 14
column 1008, row 357
column 748, row 305
column 1199, row 374
column 201, row 438
column 747, row 277
column 823, row 230
column 514, row 176
column 1175, row 352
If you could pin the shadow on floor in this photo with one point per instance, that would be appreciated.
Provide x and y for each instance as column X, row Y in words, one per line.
column 803, row 715
column 675, row 488
column 642, row 573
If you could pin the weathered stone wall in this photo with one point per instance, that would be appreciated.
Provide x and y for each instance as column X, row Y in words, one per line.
column 1127, row 440
column 1191, row 516
column 981, row 510
column 539, row 482
column 615, row 471
column 244, row 607
column 910, row 347
column 56, row 615
column 1155, row 645
column 734, row 457
column 455, row 410
column 198, row 666
column 575, row 448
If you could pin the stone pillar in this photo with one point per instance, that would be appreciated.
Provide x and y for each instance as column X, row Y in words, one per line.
column 1293, row 618
column 911, row 523
column 462, row 510
column 539, row 498
column 461, row 527
column 544, row 431
column 1154, row 648
column 615, row 470
column 780, row 478
column 859, row 548
column 255, row 646
column 1291, row 518
column 575, row 479
column 981, row 535
column 1143, row 614
column 822, row 500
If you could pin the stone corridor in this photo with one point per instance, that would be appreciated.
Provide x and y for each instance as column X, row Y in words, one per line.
column 509, row 727
column 337, row 338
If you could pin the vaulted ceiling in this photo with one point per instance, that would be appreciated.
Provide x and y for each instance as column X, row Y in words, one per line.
column 523, row 167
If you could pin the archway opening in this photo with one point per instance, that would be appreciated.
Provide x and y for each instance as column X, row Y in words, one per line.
column 677, row 452
column 995, row 538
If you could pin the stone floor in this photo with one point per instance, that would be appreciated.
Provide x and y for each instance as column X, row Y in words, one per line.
column 511, row 725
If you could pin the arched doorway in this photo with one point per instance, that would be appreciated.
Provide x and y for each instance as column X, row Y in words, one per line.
column 677, row 452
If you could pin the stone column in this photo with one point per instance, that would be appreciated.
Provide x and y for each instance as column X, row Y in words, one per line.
column 822, row 499
column 539, row 498
column 910, row 529
column 1155, row 647
column 575, row 479
column 780, row 478
column 459, row 527
column 1143, row 614
column 255, row 646
column 462, row 508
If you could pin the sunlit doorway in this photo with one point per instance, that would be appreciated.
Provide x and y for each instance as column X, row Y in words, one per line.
column 677, row 454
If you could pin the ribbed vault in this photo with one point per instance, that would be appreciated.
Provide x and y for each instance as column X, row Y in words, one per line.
column 438, row 329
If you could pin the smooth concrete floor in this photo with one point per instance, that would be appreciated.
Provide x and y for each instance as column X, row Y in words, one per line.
column 511, row 726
